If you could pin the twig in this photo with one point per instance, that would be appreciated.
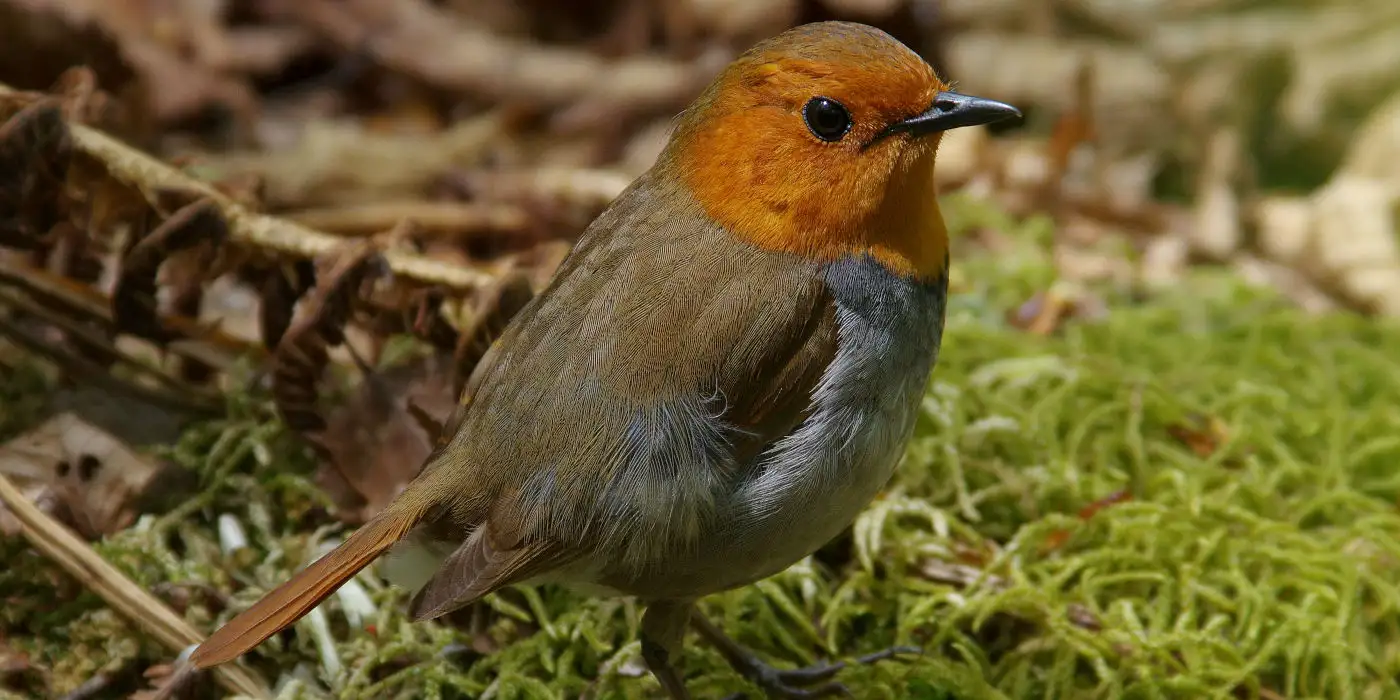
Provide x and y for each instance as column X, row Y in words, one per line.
column 576, row 186
column 246, row 227
column 421, row 40
column 174, row 397
column 68, row 551
column 437, row 217
column 64, row 295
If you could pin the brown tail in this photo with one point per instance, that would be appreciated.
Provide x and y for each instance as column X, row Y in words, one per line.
column 290, row 601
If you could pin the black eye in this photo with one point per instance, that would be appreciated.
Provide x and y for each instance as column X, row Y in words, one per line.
column 826, row 118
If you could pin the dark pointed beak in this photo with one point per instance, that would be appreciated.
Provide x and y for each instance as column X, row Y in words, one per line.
column 952, row 110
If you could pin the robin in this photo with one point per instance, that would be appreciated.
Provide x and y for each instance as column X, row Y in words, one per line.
column 721, row 374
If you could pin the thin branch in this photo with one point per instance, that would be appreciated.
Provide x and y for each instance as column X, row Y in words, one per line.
column 245, row 226
column 435, row 217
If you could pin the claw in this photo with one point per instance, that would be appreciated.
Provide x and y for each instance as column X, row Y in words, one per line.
column 790, row 684
column 809, row 675
column 886, row 654
column 787, row 684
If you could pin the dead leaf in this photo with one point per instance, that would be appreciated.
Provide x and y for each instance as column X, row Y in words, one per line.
column 1111, row 499
column 1042, row 313
column 1058, row 538
column 303, row 352
column 376, row 441
column 134, row 304
column 98, row 482
column 1201, row 434
column 34, row 158
column 282, row 285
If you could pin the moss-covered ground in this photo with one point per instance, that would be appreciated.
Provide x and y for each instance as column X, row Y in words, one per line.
column 1251, row 455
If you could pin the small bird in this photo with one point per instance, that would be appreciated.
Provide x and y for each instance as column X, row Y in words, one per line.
column 720, row 375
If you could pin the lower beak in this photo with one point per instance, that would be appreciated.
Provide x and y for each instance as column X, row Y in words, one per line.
column 951, row 110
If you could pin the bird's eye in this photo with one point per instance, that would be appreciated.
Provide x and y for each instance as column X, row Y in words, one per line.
column 826, row 118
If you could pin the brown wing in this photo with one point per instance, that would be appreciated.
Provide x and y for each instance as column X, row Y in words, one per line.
column 661, row 360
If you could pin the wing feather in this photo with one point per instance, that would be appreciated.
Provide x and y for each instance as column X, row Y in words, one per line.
column 625, row 399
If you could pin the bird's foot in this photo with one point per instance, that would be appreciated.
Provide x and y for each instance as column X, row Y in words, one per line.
column 810, row 682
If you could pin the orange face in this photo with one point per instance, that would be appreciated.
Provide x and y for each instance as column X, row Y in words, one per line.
column 808, row 144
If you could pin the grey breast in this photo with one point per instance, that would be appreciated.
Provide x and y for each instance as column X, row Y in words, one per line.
column 811, row 483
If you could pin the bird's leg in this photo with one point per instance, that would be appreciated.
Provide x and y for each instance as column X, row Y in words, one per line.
column 663, row 634
column 780, row 683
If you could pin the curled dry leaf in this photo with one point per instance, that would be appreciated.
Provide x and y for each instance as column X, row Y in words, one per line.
column 1042, row 313
column 375, row 442
column 85, row 314
column 134, row 303
column 303, row 352
column 34, row 157
column 281, row 286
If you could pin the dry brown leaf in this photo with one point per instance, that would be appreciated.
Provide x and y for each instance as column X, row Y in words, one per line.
column 134, row 305
column 1058, row 538
column 1203, row 435
column 281, row 287
column 377, row 440
column 34, row 159
column 98, row 482
column 1042, row 313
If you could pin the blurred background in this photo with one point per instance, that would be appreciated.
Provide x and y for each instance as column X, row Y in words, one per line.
column 201, row 199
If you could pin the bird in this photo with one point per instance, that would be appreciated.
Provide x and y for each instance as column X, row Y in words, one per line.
column 721, row 374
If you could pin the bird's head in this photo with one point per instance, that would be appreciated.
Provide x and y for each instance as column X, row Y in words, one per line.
column 820, row 142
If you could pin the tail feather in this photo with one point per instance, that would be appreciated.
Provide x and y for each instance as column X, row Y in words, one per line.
column 290, row 601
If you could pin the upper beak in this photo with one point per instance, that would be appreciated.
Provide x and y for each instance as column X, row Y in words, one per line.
column 951, row 110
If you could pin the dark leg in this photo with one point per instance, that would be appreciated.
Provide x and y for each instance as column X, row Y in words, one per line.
column 779, row 683
column 663, row 634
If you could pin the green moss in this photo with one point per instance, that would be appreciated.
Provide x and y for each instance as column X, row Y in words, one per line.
column 1266, row 564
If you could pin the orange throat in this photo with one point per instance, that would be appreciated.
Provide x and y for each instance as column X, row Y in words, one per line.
column 887, row 209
